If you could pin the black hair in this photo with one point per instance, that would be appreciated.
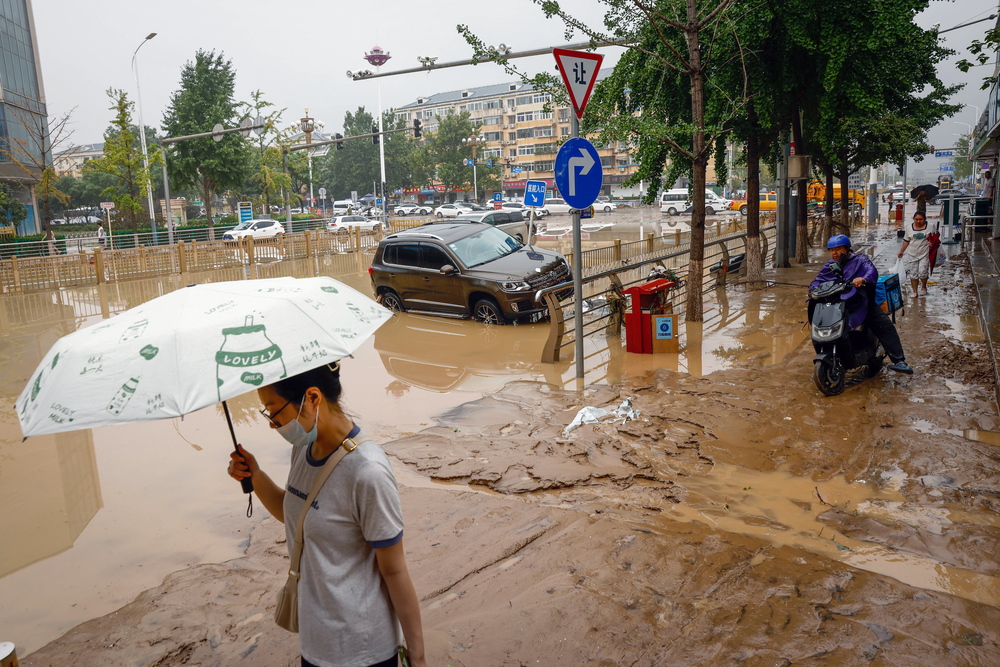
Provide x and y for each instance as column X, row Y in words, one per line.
column 326, row 378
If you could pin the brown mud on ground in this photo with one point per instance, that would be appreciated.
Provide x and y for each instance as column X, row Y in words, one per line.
column 743, row 519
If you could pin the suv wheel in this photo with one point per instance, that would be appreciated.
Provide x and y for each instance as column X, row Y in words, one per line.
column 709, row 210
column 488, row 312
column 671, row 211
column 440, row 215
column 392, row 302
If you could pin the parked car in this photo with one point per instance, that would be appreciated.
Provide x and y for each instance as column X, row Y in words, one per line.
column 343, row 224
column 522, row 209
column 258, row 229
column 518, row 228
column 465, row 269
column 413, row 209
column 943, row 195
column 343, row 207
column 606, row 206
column 554, row 205
column 672, row 201
column 712, row 205
column 59, row 221
column 450, row 210
column 899, row 194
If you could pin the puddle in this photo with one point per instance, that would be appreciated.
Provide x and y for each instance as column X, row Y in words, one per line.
column 784, row 509
column 987, row 437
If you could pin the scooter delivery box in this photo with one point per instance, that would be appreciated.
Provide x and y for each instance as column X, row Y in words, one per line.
column 888, row 294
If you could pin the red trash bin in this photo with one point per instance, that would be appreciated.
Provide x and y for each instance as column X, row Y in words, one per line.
column 648, row 299
column 899, row 212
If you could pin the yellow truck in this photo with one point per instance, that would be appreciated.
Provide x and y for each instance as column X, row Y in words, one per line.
column 816, row 192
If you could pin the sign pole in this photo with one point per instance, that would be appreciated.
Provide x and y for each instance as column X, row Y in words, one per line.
column 574, row 130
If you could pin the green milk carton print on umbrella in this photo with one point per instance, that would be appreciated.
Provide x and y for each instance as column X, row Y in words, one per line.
column 247, row 359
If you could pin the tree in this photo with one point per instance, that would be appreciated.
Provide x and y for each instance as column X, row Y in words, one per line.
column 12, row 211
column 122, row 160
column 267, row 170
column 205, row 98
column 963, row 165
column 32, row 151
column 448, row 150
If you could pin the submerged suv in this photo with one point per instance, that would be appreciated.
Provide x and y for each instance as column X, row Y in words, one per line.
column 465, row 269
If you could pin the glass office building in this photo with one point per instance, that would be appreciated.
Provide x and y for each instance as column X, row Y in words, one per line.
column 23, row 117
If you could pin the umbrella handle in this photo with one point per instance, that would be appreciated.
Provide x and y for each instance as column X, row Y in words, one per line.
column 246, row 482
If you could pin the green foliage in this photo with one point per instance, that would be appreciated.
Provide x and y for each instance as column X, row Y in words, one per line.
column 268, row 177
column 356, row 167
column 122, row 162
column 12, row 212
column 983, row 51
column 447, row 150
column 963, row 165
column 205, row 98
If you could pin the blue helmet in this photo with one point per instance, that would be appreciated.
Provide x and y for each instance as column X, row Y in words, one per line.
column 838, row 240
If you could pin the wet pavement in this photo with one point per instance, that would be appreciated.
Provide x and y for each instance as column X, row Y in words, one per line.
column 742, row 519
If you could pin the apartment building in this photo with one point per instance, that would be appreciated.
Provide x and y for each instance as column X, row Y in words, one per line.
column 519, row 134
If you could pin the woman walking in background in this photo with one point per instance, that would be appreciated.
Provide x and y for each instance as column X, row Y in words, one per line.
column 916, row 247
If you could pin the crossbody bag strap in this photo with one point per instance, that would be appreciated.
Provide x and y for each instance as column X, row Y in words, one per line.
column 345, row 448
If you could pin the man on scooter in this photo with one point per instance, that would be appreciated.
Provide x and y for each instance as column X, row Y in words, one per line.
column 857, row 269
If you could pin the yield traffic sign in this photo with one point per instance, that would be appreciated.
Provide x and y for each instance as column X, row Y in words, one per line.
column 578, row 172
column 579, row 72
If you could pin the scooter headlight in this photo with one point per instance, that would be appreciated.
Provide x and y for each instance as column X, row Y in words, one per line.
column 828, row 333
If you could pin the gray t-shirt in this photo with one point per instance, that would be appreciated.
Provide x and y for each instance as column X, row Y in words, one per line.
column 346, row 618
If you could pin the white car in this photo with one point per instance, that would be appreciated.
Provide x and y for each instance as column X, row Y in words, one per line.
column 509, row 206
column 556, row 205
column 451, row 210
column 606, row 206
column 259, row 229
column 413, row 209
column 345, row 223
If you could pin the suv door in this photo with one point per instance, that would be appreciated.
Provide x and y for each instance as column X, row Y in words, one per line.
column 445, row 293
column 402, row 261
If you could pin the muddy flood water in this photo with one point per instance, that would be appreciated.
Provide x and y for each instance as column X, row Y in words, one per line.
column 742, row 519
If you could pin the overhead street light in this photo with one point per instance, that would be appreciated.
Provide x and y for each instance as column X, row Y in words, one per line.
column 142, row 132
column 378, row 57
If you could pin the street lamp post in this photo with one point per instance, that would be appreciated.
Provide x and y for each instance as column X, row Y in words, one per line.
column 378, row 57
column 142, row 131
column 308, row 126
column 474, row 142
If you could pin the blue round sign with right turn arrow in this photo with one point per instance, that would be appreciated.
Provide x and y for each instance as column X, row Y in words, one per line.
column 579, row 175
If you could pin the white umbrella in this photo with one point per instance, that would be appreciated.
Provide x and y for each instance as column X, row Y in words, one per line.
column 193, row 348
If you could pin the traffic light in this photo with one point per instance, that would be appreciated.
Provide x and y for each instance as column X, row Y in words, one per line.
column 374, row 134
column 416, row 128
column 932, row 149
column 340, row 144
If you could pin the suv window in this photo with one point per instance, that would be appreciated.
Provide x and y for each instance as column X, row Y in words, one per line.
column 433, row 258
column 501, row 218
column 554, row 200
column 406, row 254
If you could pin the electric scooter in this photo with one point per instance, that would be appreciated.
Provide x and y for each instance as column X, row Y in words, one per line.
column 839, row 350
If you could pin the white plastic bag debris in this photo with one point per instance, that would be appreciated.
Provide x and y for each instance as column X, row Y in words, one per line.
column 626, row 412
column 587, row 415
column 592, row 415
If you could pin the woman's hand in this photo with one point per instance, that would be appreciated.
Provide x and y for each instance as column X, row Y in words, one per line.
column 900, row 255
column 242, row 464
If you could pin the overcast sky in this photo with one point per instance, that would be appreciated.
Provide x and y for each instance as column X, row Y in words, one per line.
column 298, row 52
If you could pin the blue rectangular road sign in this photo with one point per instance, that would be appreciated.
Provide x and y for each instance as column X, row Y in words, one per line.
column 378, row 201
column 516, row 170
column 943, row 153
column 246, row 211
column 534, row 193
column 497, row 196
column 946, row 166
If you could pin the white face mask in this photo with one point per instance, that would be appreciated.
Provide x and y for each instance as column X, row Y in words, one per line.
column 295, row 434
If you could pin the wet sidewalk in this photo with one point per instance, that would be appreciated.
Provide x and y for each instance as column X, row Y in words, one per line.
column 984, row 258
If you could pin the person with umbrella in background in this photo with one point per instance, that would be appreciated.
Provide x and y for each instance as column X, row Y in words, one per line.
column 921, row 195
column 354, row 587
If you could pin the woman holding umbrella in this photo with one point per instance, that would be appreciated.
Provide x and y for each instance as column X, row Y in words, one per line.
column 354, row 589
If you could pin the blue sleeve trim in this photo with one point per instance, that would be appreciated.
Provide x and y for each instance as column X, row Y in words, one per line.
column 382, row 544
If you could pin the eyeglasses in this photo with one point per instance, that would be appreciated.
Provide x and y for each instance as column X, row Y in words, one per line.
column 270, row 417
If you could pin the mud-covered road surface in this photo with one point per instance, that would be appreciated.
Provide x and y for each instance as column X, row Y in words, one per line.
column 742, row 519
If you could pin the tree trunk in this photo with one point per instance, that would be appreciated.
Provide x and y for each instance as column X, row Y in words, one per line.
column 802, row 215
column 206, row 189
column 754, row 259
column 828, row 204
column 696, row 263
column 845, row 212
